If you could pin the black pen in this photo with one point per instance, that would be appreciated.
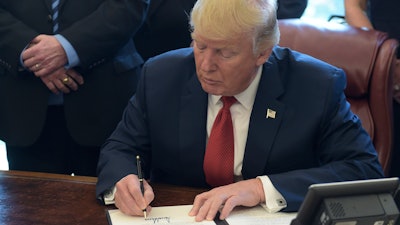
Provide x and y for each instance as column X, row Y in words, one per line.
column 140, row 176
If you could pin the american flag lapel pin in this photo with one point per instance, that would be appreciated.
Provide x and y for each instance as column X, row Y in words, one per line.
column 271, row 114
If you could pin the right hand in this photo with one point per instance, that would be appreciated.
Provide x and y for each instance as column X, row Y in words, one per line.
column 128, row 197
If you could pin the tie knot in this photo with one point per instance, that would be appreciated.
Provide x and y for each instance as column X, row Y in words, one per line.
column 228, row 101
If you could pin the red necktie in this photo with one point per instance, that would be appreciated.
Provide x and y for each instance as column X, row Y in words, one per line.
column 219, row 157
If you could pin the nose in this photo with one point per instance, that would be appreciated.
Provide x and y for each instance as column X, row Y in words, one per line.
column 207, row 62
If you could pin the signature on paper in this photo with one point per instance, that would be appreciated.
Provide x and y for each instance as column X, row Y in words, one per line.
column 156, row 220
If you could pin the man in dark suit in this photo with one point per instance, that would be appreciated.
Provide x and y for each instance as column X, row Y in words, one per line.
column 292, row 125
column 165, row 28
column 65, row 76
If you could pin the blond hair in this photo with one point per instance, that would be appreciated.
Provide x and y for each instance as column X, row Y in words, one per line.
column 224, row 19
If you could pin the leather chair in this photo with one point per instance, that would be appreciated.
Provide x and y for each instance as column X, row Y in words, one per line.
column 367, row 57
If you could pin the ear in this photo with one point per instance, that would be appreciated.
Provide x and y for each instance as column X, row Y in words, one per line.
column 263, row 56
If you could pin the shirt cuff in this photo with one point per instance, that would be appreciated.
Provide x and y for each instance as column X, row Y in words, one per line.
column 108, row 196
column 73, row 58
column 274, row 201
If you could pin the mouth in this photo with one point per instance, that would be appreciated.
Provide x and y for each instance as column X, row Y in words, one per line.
column 209, row 81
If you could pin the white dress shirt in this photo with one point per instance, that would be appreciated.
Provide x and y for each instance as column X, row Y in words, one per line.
column 241, row 112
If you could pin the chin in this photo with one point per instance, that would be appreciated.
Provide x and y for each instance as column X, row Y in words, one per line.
column 210, row 89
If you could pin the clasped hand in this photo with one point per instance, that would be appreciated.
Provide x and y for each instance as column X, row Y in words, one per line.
column 129, row 199
column 46, row 58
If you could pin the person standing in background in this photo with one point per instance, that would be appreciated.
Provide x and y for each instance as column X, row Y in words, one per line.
column 67, row 70
column 383, row 16
column 291, row 8
column 166, row 27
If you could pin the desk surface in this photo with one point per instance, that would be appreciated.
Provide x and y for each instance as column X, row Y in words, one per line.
column 41, row 198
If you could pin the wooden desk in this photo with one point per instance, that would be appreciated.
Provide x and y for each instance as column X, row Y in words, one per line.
column 41, row 198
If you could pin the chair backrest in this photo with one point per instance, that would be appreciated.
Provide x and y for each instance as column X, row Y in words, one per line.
column 367, row 57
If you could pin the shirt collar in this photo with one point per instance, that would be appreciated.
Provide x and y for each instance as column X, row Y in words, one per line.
column 246, row 98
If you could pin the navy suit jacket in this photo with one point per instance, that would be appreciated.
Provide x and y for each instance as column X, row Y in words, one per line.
column 313, row 138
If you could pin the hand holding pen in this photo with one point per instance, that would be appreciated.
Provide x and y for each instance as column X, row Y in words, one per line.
column 131, row 194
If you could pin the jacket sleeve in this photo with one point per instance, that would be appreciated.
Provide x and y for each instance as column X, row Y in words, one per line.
column 15, row 35
column 107, row 29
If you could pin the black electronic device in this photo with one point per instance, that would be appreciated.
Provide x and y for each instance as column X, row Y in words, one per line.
column 361, row 202
column 397, row 200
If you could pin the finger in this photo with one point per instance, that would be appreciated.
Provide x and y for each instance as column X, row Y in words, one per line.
column 148, row 193
column 68, row 81
column 41, row 69
column 126, row 203
column 148, row 210
column 130, row 197
column 203, row 212
column 213, row 209
column 139, row 197
column 34, row 67
column 27, row 56
column 227, row 208
column 76, row 76
column 61, row 86
column 201, row 206
column 50, row 85
column 197, row 204
column 213, row 205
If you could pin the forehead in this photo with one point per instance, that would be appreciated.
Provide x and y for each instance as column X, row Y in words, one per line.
column 231, row 43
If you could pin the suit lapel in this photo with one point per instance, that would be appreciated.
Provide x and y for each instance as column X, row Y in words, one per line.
column 263, row 125
column 193, row 133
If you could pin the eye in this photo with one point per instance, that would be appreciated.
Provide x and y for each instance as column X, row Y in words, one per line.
column 226, row 53
column 201, row 46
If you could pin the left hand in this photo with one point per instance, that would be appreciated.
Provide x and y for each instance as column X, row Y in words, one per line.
column 243, row 193
column 63, row 81
column 44, row 55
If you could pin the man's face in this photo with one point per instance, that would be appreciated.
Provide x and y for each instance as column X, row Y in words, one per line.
column 226, row 67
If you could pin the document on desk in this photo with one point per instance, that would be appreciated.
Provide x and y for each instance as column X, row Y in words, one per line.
column 258, row 216
column 178, row 215
column 175, row 215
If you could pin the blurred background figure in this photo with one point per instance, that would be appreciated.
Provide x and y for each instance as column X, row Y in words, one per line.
column 166, row 26
column 67, row 70
column 383, row 16
column 291, row 8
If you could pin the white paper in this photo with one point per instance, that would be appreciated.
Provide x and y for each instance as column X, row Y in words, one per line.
column 258, row 216
column 177, row 215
